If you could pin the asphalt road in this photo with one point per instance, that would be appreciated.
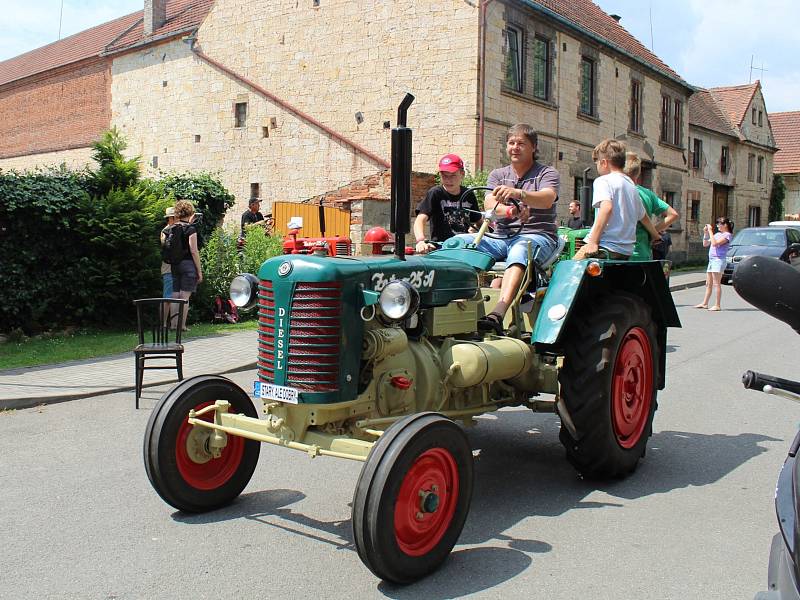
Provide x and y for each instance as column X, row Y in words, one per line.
column 80, row 520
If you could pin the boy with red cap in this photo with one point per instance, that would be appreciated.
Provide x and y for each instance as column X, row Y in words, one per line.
column 439, row 207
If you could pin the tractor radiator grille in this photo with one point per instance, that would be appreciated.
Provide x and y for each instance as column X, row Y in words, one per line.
column 343, row 248
column 312, row 348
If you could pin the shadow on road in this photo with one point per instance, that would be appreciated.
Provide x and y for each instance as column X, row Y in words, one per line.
column 520, row 473
column 465, row 572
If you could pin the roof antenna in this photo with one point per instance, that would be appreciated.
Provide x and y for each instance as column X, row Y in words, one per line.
column 60, row 18
column 651, row 27
column 761, row 68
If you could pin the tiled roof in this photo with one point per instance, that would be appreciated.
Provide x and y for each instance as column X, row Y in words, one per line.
column 586, row 15
column 65, row 51
column 181, row 15
column 735, row 99
column 705, row 112
column 109, row 37
column 786, row 128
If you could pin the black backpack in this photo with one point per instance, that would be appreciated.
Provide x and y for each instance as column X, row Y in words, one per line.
column 175, row 247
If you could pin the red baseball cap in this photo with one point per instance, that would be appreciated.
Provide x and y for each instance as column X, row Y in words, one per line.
column 451, row 163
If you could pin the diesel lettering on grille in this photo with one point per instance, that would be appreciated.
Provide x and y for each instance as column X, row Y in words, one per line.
column 280, row 339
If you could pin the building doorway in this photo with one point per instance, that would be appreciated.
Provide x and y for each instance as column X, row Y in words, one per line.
column 719, row 206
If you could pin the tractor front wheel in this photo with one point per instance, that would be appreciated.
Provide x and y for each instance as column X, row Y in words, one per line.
column 609, row 384
column 177, row 457
column 412, row 497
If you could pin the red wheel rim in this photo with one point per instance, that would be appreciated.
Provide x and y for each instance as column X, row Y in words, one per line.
column 216, row 471
column 632, row 387
column 431, row 483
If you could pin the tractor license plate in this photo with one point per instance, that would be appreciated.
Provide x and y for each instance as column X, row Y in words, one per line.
column 274, row 392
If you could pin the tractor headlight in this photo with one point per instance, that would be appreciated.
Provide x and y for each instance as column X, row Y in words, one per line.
column 244, row 291
column 398, row 300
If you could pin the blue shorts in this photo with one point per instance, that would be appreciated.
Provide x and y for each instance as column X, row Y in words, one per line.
column 715, row 265
column 184, row 276
column 167, row 279
column 514, row 251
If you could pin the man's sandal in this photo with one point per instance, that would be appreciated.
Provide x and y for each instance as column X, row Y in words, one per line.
column 492, row 323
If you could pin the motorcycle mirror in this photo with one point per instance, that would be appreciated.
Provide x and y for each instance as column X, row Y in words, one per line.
column 770, row 285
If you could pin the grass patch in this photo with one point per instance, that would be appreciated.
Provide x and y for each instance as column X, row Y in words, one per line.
column 92, row 343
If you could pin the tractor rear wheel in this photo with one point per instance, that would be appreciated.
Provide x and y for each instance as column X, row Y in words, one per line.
column 176, row 456
column 609, row 384
column 412, row 497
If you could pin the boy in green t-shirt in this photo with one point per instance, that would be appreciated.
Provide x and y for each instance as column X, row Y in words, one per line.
column 653, row 206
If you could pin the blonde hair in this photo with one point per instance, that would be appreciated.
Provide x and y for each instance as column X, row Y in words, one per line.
column 612, row 150
column 633, row 165
column 183, row 209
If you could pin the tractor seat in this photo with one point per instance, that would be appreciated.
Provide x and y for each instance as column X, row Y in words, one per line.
column 501, row 266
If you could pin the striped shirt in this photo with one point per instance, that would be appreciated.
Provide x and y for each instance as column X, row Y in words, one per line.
column 538, row 177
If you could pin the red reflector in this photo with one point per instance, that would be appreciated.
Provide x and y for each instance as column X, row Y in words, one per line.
column 400, row 382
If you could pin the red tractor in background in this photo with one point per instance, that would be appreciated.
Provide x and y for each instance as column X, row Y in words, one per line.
column 334, row 245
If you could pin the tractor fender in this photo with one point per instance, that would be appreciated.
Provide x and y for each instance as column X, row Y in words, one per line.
column 572, row 288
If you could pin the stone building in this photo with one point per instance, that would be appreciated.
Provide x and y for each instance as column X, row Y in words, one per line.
column 786, row 127
column 288, row 100
column 731, row 148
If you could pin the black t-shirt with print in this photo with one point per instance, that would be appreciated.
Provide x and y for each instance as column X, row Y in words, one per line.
column 442, row 210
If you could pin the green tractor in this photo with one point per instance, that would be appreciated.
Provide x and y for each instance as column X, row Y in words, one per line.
column 376, row 359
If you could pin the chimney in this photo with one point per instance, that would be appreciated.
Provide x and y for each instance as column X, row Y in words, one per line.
column 617, row 18
column 155, row 15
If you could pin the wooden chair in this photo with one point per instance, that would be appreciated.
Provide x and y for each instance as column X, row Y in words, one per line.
column 157, row 340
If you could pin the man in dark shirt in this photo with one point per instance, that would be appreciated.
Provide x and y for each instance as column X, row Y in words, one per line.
column 252, row 216
column 575, row 221
column 439, row 207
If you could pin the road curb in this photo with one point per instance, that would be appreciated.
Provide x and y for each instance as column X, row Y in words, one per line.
column 685, row 286
column 33, row 402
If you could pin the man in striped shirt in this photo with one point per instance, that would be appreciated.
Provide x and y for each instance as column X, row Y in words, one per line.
column 535, row 187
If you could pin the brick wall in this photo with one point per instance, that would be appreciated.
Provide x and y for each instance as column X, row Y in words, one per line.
column 64, row 110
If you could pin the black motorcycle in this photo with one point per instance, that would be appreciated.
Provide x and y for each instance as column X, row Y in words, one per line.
column 774, row 287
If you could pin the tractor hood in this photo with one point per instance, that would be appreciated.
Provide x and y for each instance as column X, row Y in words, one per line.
column 439, row 281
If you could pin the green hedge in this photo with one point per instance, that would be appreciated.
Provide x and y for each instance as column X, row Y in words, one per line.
column 40, row 247
column 70, row 258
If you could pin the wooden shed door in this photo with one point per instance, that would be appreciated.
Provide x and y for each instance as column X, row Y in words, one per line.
column 337, row 220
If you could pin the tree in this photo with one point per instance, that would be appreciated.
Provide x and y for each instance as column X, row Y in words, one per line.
column 114, row 170
column 776, row 198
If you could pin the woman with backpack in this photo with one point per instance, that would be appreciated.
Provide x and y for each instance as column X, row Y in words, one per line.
column 184, row 255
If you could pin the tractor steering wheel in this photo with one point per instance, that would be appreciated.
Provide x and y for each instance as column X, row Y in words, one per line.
column 512, row 231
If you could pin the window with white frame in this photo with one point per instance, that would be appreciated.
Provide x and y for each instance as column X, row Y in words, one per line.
column 754, row 216
column 697, row 153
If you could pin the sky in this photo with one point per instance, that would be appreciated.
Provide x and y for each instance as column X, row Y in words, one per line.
column 708, row 42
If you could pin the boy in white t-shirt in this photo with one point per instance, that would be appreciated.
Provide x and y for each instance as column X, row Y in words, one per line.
column 618, row 206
